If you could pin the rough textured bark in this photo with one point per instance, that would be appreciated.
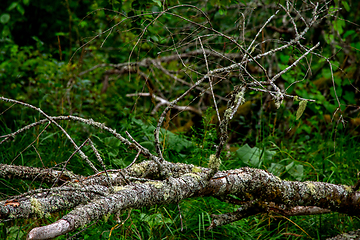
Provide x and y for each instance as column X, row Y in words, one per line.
column 257, row 188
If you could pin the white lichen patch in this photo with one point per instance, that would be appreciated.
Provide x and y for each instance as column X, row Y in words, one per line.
column 348, row 189
column 278, row 100
column 119, row 188
column 228, row 113
column 278, row 104
column 240, row 97
column 111, row 175
column 214, row 163
column 193, row 175
column 36, row 207
column 166, row 194
column 196, row 169
column 156, row 184
column 139, row 169
column 311, row 188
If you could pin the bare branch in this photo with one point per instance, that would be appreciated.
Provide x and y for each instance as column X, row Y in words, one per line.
column 83, row 156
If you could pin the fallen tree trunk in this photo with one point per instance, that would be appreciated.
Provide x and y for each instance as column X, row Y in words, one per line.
column 92, row 198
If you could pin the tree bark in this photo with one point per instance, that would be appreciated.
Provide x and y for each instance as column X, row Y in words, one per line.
column 93, row 202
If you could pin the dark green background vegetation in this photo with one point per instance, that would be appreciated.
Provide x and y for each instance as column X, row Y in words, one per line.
column 41, row 61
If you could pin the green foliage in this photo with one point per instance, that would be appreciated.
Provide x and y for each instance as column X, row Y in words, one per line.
column 35, row 67
column 254, row 157
column 205, row 139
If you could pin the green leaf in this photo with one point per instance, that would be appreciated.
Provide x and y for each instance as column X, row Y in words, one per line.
column 37, row 40
column 176, row 142
column 12, row 6
column 349, row 97
column 112, row 142
column 338, row 25
column 149, row 145
column 337, row 80
column 254, row 156
column 329, row 107
column 61, row 33
column 155, row 38
column 20, row 9
column 289, row 166
column 154, row 219
column 6, row 31
column 348, row 33
column 15, row 232
column 276, row 168
column 328, row 38
column 284, row 58
column 282, row 66
column 268, row 155
column 301, row 109
column 346, row 5
column 116, row 5
column 287, row 77
column 118, row 161
column 83, row 24
column 5, row 17
column 113, row 152
column 158, row 2
column 297, row 172
column 339, row 92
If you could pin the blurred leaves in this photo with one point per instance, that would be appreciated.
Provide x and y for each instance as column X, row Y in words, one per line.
column 254, row 157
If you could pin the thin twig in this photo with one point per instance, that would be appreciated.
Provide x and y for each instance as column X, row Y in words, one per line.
column 210, row 81
column 98, row 157
column 136, row 157
column 83, row 156
column 37, row 137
